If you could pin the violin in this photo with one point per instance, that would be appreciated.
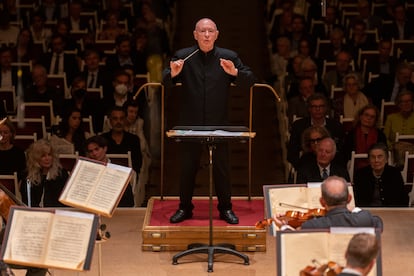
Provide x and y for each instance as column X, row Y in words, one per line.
column 329, row 269
column 293, row 218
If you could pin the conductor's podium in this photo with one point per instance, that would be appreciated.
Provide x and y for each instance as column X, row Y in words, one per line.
column 158, row 234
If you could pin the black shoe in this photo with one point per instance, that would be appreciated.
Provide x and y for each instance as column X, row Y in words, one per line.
column 229, row 217
column 181, row 215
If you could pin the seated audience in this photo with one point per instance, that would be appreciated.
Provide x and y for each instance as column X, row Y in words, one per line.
column 322, row 166
column 96, row 148
column 318, row 109
column 403, row 123
column 363, row 134
column 111, row 29
column 44, row 176
column 379, row 184
column 353, row 100
column 384, row 63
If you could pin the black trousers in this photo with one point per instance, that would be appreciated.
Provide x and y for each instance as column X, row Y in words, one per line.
column 190, row 163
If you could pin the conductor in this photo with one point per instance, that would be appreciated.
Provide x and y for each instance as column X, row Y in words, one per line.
column 206, row 73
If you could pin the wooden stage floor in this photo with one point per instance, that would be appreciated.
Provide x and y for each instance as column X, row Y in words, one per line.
column 122, row 254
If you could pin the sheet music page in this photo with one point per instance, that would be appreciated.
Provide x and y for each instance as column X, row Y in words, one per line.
column 288, row 198
column 314, row 195
column 299, row 249
column 29, row 232
column 82, row 182
column 109, row 188
column 69, row 239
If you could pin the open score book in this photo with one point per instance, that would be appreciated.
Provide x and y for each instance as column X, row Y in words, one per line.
column 42, row 237
column 95, row 186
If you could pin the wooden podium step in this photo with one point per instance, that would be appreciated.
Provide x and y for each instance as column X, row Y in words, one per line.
column 158, row 234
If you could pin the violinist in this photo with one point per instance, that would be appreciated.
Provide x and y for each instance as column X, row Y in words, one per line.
column 334, row 199
column 360, row 255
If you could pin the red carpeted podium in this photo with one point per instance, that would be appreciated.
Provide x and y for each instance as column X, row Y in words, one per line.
column 158, row 234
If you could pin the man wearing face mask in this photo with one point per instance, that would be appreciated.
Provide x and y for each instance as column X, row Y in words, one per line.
column 87, row 106
column 120, row 93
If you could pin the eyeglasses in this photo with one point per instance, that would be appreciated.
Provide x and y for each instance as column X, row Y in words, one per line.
column 315, row 141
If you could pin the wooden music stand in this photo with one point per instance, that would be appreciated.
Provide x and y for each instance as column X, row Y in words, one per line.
column 210, row 135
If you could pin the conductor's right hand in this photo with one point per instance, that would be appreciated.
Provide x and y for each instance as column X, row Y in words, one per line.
column 176, row 67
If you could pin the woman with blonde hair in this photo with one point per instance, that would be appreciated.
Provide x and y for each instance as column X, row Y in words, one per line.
column 45, row 177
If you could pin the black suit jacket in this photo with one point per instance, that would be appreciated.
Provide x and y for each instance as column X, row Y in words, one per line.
column 104, row 79
column 342, row 217
column 310, row 172
column 391, row 187
column 391, row 31
column 295, row 143
column 70, row 65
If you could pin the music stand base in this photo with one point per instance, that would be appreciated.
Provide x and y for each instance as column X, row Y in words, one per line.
column 210, row 250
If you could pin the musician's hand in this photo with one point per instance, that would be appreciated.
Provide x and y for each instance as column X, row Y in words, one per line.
column 176, row 67
column 279, row 221
column 228, row 67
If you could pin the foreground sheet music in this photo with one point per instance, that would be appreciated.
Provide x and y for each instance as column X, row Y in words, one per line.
column 96, row 187
column 297, row 249
column 49, row 238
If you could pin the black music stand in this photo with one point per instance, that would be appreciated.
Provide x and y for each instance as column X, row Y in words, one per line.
column 210, row 135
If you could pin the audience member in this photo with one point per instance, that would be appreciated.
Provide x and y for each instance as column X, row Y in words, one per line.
column 330, row 22
column 372, row 21
column 75, row 21
column 384, row 63
column 8, row 32
column 298, row 31
column 322, row 167
column 360, row 39
column 353, row 100
column 280, row 59
column 123, row 56
column 282, row 23
column 44, row 176
column 334, row 198
column 363, row 134
column 318, row 109
column 40, row 33
column 24, row 51
column 58, row 62
column 120, row 86
column 62, row 28
column 335, row 76
column 50, row 9
column 403, row 123
column 96, row 75
column 379, row 184
column 135, row 124
column 402, row 27
column 360, row 255
column 310, row 139
column 88, row 106
column 96, row 149
column 308, row 69
column 387, row 87
column 337, row 45
column 121, row 141
column 111, row 28
column 13, row 158
column 297, row 106
column 140, row 39
column 39, row 91
column 70, row 135
column 8, row 75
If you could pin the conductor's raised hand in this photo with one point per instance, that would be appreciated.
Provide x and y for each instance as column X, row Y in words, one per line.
column 176, row 66
column 228, row 67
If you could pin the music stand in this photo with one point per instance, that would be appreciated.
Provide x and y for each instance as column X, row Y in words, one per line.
column 210, row 135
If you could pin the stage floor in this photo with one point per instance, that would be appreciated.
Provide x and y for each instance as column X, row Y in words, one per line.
column 122, row 254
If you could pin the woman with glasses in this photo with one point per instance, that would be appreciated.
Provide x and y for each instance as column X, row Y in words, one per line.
column 310, row 139
column 363, row 134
